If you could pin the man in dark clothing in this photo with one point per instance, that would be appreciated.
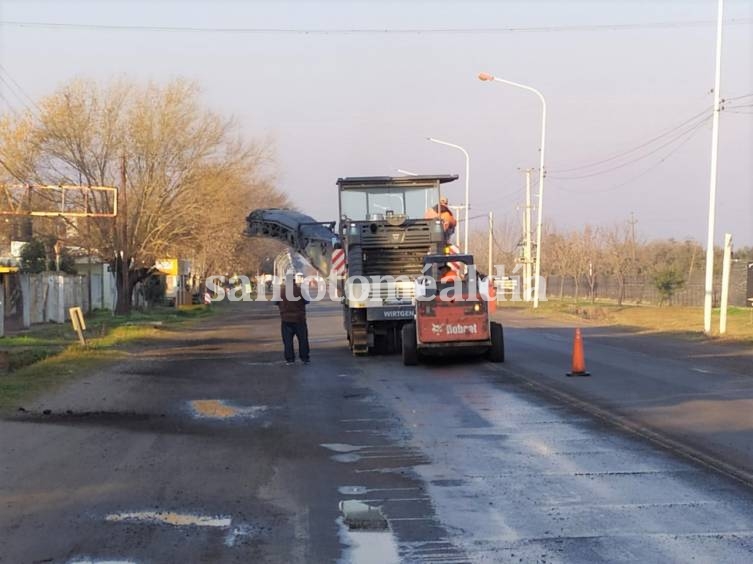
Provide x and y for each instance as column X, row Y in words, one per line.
column 293, row 321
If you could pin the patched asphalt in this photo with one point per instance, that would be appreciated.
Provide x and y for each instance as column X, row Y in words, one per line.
column 206, row 448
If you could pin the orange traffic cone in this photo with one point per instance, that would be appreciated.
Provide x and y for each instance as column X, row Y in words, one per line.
column 579, row 360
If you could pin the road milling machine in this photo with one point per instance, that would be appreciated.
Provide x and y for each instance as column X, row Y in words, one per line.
column 387, row 225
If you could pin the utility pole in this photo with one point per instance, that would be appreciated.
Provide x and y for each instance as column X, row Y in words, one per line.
column 725, row 283
column 527, row 265
column 124, row 256
column 456, row 211
column 491, row 242
column 632, row 222
column 709, row 286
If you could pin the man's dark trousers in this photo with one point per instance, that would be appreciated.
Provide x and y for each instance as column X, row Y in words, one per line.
column 298, row 329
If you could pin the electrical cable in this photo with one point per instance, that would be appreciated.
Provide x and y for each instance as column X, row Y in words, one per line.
column 639, row 158
column 637, row 147
column 364, row 31
column 3, row 70
column 674, row 150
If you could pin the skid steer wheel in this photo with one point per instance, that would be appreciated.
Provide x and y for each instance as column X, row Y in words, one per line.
column 496, row 352
column 409, row 347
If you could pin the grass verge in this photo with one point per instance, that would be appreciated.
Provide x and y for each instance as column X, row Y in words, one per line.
column 679, row 321
column 50, row 355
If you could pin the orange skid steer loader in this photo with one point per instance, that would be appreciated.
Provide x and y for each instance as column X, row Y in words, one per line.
column 451, row 316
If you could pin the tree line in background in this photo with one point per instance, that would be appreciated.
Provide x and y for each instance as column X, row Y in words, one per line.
column 190, row 178
column 595, row 253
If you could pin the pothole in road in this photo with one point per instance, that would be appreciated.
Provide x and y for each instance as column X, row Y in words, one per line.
column 447, row 483
column 347, row 452
column 222, row 409
column 340, row 447
column 90, row 561
column 171, row 518
column 234, row 533
column 69, row 415
column 352, row 490
column 347, row 457
column 365, row 532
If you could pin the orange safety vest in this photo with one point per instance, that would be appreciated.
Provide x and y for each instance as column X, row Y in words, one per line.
column 450, row 276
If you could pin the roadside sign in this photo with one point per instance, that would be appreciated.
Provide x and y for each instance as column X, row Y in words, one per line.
column 749, row 293
column 79, row 325
column 167, row 266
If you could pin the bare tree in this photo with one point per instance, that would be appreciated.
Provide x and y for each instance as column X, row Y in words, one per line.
column 618, row 256
column 189, row 179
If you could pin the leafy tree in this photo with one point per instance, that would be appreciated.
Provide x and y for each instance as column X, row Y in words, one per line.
column 35, row 259
column 34, row 256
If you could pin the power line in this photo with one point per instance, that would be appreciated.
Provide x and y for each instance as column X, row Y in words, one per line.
column 637, row 147
column 12, row 91
column 15, row 88
column 653, row 139
column 674, row 150
column 3, row 70
column 738, row 97
column 9, row 104
column 672, row 140
column 368, row 31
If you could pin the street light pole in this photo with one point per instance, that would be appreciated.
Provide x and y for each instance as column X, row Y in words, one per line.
column 709, row 290
column 467, row 185
column 491, row 241
column 488, row 77
column 457, row 210
column 527, row 227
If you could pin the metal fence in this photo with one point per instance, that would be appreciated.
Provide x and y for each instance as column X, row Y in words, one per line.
column 641, row 289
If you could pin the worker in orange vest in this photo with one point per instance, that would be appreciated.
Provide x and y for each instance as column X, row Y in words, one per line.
column 448, row 275
column 443, row 212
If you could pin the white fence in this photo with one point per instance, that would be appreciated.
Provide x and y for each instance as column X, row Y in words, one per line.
column 48, row 295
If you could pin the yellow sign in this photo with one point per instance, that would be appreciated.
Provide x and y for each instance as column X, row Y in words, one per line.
column 8, row 269
column 167, row 266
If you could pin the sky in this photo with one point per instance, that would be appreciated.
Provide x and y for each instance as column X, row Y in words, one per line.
column 340, row 96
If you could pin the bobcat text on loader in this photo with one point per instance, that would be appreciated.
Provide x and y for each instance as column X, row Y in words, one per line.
column 451, row 318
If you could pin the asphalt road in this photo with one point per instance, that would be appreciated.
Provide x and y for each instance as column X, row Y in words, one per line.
column 207, row 448
column 697, row 394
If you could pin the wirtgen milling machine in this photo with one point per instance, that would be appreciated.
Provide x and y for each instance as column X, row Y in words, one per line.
column 387, row 225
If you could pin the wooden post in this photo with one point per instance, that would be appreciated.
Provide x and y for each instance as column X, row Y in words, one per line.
column 79, row 325
column 2, row 307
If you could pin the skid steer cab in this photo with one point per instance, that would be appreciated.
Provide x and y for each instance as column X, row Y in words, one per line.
column 451, row 315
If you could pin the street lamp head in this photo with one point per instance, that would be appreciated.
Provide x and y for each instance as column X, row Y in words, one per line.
column 485, row 76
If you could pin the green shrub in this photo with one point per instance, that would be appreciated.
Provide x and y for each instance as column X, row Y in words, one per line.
column 668, row 281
